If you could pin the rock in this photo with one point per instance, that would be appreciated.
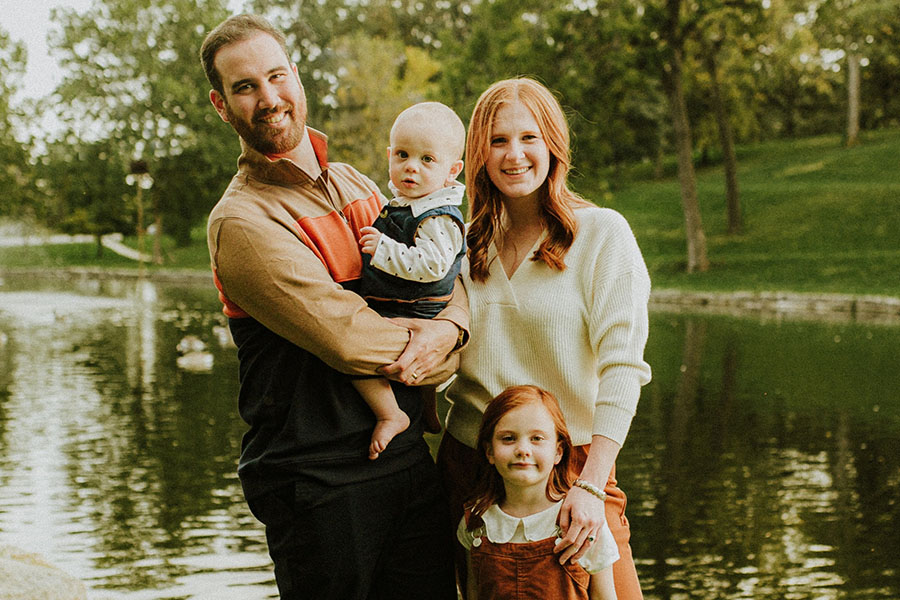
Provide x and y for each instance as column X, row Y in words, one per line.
column 26, row 576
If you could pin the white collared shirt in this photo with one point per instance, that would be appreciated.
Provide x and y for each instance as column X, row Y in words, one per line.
column 502, row 528
column 438, row 239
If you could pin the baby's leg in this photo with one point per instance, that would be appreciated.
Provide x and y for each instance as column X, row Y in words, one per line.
column 430, row 420
column 390, row 420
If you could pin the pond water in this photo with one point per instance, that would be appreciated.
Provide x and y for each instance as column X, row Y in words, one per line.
column 764, row 461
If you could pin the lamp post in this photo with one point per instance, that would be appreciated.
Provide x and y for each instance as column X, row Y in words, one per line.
column 139, row 176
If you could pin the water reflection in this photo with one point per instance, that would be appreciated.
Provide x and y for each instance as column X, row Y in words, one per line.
column 764, row 461
column 115, row 464
column 767, row 459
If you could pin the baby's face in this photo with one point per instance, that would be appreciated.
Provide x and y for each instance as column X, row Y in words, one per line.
column 420, row 162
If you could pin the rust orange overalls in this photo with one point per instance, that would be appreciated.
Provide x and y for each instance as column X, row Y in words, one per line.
column 525, row 571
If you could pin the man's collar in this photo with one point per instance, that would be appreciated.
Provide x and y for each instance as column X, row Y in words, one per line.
column 283, row 170
column 319, row 143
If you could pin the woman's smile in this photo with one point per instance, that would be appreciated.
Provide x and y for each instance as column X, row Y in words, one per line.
column 518, row 160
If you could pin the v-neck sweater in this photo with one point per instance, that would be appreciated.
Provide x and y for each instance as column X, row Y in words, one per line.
column 579, row 333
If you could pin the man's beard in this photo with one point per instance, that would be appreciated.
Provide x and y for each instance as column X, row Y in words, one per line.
column 265, row 139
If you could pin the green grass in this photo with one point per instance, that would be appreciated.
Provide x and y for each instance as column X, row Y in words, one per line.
column 818, row 217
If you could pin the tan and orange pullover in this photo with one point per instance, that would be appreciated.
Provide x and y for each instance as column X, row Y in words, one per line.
column 285, row 256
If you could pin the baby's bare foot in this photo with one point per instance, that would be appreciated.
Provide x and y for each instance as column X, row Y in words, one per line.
column 385, row 430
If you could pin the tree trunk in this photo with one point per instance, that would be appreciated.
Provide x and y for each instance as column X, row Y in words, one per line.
column 726, row 139
column 658, row 165
column 853, row 85
column 157, row 234
column 693, row 225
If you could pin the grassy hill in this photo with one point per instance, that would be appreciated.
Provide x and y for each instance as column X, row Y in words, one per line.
column 817, row 218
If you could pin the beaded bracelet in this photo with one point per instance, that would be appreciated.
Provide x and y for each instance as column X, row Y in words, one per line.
column 591, row 488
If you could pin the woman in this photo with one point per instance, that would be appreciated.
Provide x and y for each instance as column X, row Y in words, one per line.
column 558, row 295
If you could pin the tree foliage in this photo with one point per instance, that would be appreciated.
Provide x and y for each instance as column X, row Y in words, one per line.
column 87, row 180
column 853, row 26
column 134, row 79
column 585, row 53
column 381, row 78
column 640, row 80
column 15, row 171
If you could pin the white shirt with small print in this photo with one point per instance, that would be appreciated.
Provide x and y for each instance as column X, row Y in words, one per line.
column 438, row 239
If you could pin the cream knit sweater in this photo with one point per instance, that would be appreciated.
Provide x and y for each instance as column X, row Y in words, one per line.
column 578, row 333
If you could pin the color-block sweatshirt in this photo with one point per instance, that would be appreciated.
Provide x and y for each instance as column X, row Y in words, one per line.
column 578, row 333
column 285, row 256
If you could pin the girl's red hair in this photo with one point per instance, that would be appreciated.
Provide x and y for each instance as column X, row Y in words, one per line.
column 489, row 487
column 485, row 200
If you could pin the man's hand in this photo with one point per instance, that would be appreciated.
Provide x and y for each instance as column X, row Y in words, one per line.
column 368, row 242
column 430, row 341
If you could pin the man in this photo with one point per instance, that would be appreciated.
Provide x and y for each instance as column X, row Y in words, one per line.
column 284, row 247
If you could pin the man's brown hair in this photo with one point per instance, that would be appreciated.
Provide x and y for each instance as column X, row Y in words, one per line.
column 229, row 31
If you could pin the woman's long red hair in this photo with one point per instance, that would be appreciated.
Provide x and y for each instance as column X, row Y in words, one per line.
column 489, row 488
column 485, row 200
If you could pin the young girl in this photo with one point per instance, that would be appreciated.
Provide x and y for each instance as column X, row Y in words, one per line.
column 510, row 529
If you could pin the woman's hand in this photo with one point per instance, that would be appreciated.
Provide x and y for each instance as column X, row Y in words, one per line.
column 430, row 341
column 581, row 518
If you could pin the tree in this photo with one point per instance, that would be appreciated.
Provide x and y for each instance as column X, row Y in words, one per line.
column 724, row 28
column 134, row 78
column 360, row 64
column 15, row 168
column 795, row 95
column 87, row 187
column 317, row 30
column 852, row 25
column 880, row 84
column 618, row 111
column 668, row 29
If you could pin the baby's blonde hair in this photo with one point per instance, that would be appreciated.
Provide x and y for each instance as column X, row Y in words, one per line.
column 440, row 117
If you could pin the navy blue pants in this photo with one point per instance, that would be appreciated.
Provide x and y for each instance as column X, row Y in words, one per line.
column 385, row 539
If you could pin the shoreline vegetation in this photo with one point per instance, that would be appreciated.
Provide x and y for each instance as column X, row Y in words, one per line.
column 867, row 308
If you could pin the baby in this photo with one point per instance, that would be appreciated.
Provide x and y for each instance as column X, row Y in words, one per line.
column 412, row 252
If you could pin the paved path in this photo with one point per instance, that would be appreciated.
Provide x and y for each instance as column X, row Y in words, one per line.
column 113, row 241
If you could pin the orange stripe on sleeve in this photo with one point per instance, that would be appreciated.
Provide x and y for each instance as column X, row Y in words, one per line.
column 230, row 309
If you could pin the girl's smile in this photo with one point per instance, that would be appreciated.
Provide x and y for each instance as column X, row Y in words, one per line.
column 524, row 448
